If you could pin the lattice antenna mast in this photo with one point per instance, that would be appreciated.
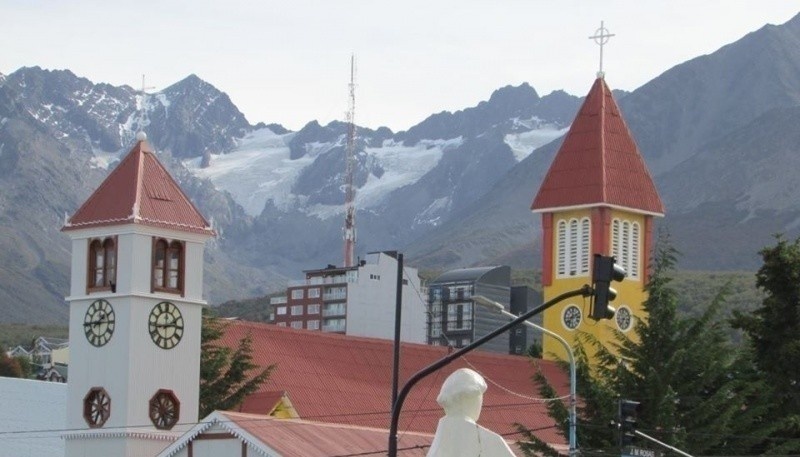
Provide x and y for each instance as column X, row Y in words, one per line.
column 350, row 192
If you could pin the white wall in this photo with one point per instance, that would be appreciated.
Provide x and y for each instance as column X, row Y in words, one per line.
column 36, row 407
column 371, row 302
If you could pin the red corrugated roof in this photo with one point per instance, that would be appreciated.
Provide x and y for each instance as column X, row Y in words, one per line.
column 599, row 163
column 347, row 380
column 139, row 191
column 299, row 438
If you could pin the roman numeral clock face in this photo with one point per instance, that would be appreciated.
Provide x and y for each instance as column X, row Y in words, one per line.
column 165, row 325
column 99, row 322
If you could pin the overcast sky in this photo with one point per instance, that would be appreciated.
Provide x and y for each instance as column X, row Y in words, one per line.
column 288, row 61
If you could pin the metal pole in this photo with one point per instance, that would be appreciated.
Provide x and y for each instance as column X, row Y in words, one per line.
column 398, row 311
column 585, row 291
column 671, row 448
column 573, row 445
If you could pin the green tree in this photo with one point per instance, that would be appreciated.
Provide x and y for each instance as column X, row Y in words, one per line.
column 773, row 332
column 225, row 373
column 680, row 368
column 9, row 366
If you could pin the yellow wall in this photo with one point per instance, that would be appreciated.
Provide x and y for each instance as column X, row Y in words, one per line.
column 630, row 292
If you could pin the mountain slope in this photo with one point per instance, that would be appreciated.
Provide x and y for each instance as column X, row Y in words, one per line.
column 702, row 128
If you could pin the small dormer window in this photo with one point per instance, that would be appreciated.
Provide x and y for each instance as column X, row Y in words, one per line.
column 168, row 266
column 102, row 274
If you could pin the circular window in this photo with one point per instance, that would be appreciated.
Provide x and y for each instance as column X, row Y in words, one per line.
column 96, row 407
column 571, row 318
column 164, row 409
column 624, row 318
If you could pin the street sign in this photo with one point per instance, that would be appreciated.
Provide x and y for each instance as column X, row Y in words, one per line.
column 633, row 451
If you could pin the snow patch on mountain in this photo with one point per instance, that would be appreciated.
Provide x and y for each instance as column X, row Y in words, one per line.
column 403, row 165
column 536, row 135
column 258, row 170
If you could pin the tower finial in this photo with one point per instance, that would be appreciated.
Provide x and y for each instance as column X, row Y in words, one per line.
column 601, row 37
column 140, row 135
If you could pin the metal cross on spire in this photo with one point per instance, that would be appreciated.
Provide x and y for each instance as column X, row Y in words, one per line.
column 140, row 135
column 601, row 37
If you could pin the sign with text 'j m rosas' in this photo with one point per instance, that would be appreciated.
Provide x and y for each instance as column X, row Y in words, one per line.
column 632, row 451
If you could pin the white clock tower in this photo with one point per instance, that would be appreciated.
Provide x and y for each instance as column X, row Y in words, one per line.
column 135, row 300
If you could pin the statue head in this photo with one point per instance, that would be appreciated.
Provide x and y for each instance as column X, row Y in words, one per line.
column 462, row 394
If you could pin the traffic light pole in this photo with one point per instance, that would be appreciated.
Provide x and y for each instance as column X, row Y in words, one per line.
column 661, row 443
column 585, row 291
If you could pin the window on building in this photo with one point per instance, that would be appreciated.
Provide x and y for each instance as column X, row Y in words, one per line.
column 297, row 310
column 626, row 245
column 281, row 310
column 312, row 325
column 297, row 324
column 313, row 292
column 297, row 294
column 281, row 324
column 168, row 268
column 102, row 274
column 313, row 309
column 572, row 247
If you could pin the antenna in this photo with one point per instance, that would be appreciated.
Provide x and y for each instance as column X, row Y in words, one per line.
column 140, row 135
column 601, row 37
column 349, row 198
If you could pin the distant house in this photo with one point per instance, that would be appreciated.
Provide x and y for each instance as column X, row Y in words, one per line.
column 49, row 357
column 358, row 300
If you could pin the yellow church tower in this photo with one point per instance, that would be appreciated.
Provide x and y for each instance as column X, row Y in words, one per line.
column 597, row 198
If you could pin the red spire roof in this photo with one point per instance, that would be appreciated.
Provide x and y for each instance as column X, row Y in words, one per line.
column 139, row 191
column 598, row 163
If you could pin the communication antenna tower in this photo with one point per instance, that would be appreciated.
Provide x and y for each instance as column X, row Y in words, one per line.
column 349, row 189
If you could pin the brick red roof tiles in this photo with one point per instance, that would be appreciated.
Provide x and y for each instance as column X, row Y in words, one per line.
column 599, row 163
column 139, row 191
column 347, row 380
column 299, row 438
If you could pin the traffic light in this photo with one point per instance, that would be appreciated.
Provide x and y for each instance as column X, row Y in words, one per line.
column 604, row 271
column 628, row 409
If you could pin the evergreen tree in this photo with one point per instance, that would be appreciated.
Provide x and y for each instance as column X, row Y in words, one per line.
column 225, row 379
column 10, row 366
column 680, row 369
column 773, row 332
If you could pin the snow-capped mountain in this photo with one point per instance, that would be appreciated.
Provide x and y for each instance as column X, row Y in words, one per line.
column 451, row 191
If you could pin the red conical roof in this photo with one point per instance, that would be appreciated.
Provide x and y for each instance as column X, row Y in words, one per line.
column 139, row 191
column 598, row 163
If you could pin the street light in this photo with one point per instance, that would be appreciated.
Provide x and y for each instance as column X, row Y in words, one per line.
column 585, row 291
column 498, row 307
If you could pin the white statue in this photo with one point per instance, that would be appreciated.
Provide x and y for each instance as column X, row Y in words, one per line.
column 458, row 434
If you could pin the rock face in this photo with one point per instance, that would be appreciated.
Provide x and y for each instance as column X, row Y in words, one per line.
column 718, row 133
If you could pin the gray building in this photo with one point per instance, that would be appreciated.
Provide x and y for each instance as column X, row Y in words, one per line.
column 455, row 320
column 453, row 317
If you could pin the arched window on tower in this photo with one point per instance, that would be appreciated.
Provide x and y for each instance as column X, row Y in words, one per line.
column 168, row 266
column 626, row 245
column 583, row 252
column 102, row 272
column 561, row 255
column 572, row 247
column 634, row 258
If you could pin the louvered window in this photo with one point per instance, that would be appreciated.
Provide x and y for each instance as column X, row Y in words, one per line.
column 561, row 268
column 626, row 245
column 573, row 246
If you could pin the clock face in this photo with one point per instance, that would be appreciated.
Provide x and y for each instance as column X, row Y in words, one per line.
column 164, row 409
column 98, row 323
column 165, row 325
column 624, row 318
column 96, row 407
column 572, row 317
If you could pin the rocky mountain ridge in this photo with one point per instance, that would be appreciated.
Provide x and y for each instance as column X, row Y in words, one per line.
column 453, row 191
